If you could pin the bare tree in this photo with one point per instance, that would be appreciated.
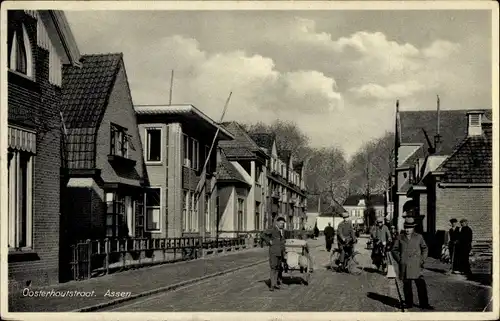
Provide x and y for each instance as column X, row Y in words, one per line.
column 327, row 174
column 370, row 167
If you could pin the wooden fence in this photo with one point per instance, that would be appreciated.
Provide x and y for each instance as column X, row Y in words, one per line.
column 92, row 258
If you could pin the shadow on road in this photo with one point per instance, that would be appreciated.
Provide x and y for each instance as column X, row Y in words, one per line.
column 387, row 300
column 372, row 270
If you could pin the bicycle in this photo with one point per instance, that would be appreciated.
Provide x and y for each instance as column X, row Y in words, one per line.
column 351, row 262
column 379, row 257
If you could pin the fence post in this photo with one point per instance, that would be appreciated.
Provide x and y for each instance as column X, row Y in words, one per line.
column 89, row 262
column 106, row 250
column 124, row 253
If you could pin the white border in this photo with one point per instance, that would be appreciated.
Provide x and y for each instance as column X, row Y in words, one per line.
column 259, row 5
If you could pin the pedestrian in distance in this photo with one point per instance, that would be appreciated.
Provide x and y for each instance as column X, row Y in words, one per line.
column 381, row 237
column 464, row 246
column 329, row 236
column 275, row 239
column 452, row 241
column 345, row 238
column 410, row 252
column 316, row 230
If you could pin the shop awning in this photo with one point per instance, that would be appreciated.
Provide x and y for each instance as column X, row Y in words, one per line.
column 22, row 139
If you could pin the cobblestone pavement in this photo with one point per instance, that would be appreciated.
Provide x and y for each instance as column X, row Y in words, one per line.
column 246, row 290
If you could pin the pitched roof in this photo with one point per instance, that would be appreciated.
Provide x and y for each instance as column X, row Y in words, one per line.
column 85, row 94
column 226, row 172
column 453, row 127
column 353, row 200
column 242, row 145
column 264, row 140
column 284, row 155
column 472, row 161
column 297, row 165
column 421, row 152
column 327, row 208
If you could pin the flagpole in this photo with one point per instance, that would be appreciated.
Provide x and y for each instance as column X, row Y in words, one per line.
column 395, row 200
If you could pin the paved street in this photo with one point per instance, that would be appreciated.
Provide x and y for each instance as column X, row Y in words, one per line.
column 246, row 290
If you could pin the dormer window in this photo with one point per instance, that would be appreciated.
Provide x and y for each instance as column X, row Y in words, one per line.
column 119, row 141
column 20, row 54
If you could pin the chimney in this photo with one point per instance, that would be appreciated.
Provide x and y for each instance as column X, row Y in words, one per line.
column 474, row 119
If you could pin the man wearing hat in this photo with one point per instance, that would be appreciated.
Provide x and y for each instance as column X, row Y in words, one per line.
column 380, row 235
column 345, row 237
column 464, row 247
column 452, row 239
column 275, row 238
column 410, row 252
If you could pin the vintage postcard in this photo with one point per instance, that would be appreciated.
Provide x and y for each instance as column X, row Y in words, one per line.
column 249, row 160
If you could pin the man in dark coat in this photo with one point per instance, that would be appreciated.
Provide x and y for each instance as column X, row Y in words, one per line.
column 410, row 252
column 452, row 243
column 275, row 238
column 329, row 235
column 464, row 246
column 345, row 238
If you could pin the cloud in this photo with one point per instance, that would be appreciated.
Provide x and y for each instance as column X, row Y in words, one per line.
column 339, row 86
column 205, row 80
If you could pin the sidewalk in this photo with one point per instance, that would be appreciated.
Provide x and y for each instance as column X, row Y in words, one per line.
column 130, row 283
column 140, row 282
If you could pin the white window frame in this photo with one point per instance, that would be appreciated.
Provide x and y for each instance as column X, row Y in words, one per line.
column 207, row 213
column 12, row 55
column 13, row 202
column 240, row 221
column 195, row 147
column 147, row 145
column 185, row 211
column 146, row 207
column 120, row 138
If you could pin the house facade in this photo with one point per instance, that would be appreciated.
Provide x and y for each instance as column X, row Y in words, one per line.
column 459, row 186
column 103, row 175
column 250, row 161
column 324, row 212
column 286, row 188
column 177, row 141
column 234, row 185
column 424, row 140
column 39, row 43
column 356, row 206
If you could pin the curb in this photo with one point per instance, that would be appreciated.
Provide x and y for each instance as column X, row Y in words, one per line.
column 165, row 288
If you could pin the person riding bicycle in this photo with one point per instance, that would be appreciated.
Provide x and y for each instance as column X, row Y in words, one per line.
column 381, row 237
column 345, row 238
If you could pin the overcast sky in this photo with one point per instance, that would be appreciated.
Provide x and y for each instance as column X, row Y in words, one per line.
column 336, row 73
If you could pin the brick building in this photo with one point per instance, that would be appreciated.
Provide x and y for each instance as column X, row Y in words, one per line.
column 425, row 139
column 460, row 186
column 104, row 168
column 176, row 140
column 39, row 44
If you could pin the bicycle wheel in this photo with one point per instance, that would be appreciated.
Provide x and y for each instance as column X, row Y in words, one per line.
column 354, row 265
column 334, row 258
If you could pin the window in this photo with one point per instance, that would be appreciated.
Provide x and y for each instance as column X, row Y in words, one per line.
column 240, row 218
column 153, row 209
column 185, row 210
column 196, row 155
column 20, row 55
column 191, row 152
column 20, row 202
column 119, row 141
column 153, row 144
column 115, row 214
column 257, row 216
column 207, row 150
column 475, row 120
column 207, row 213
column 193, row 214
column 139, row 216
